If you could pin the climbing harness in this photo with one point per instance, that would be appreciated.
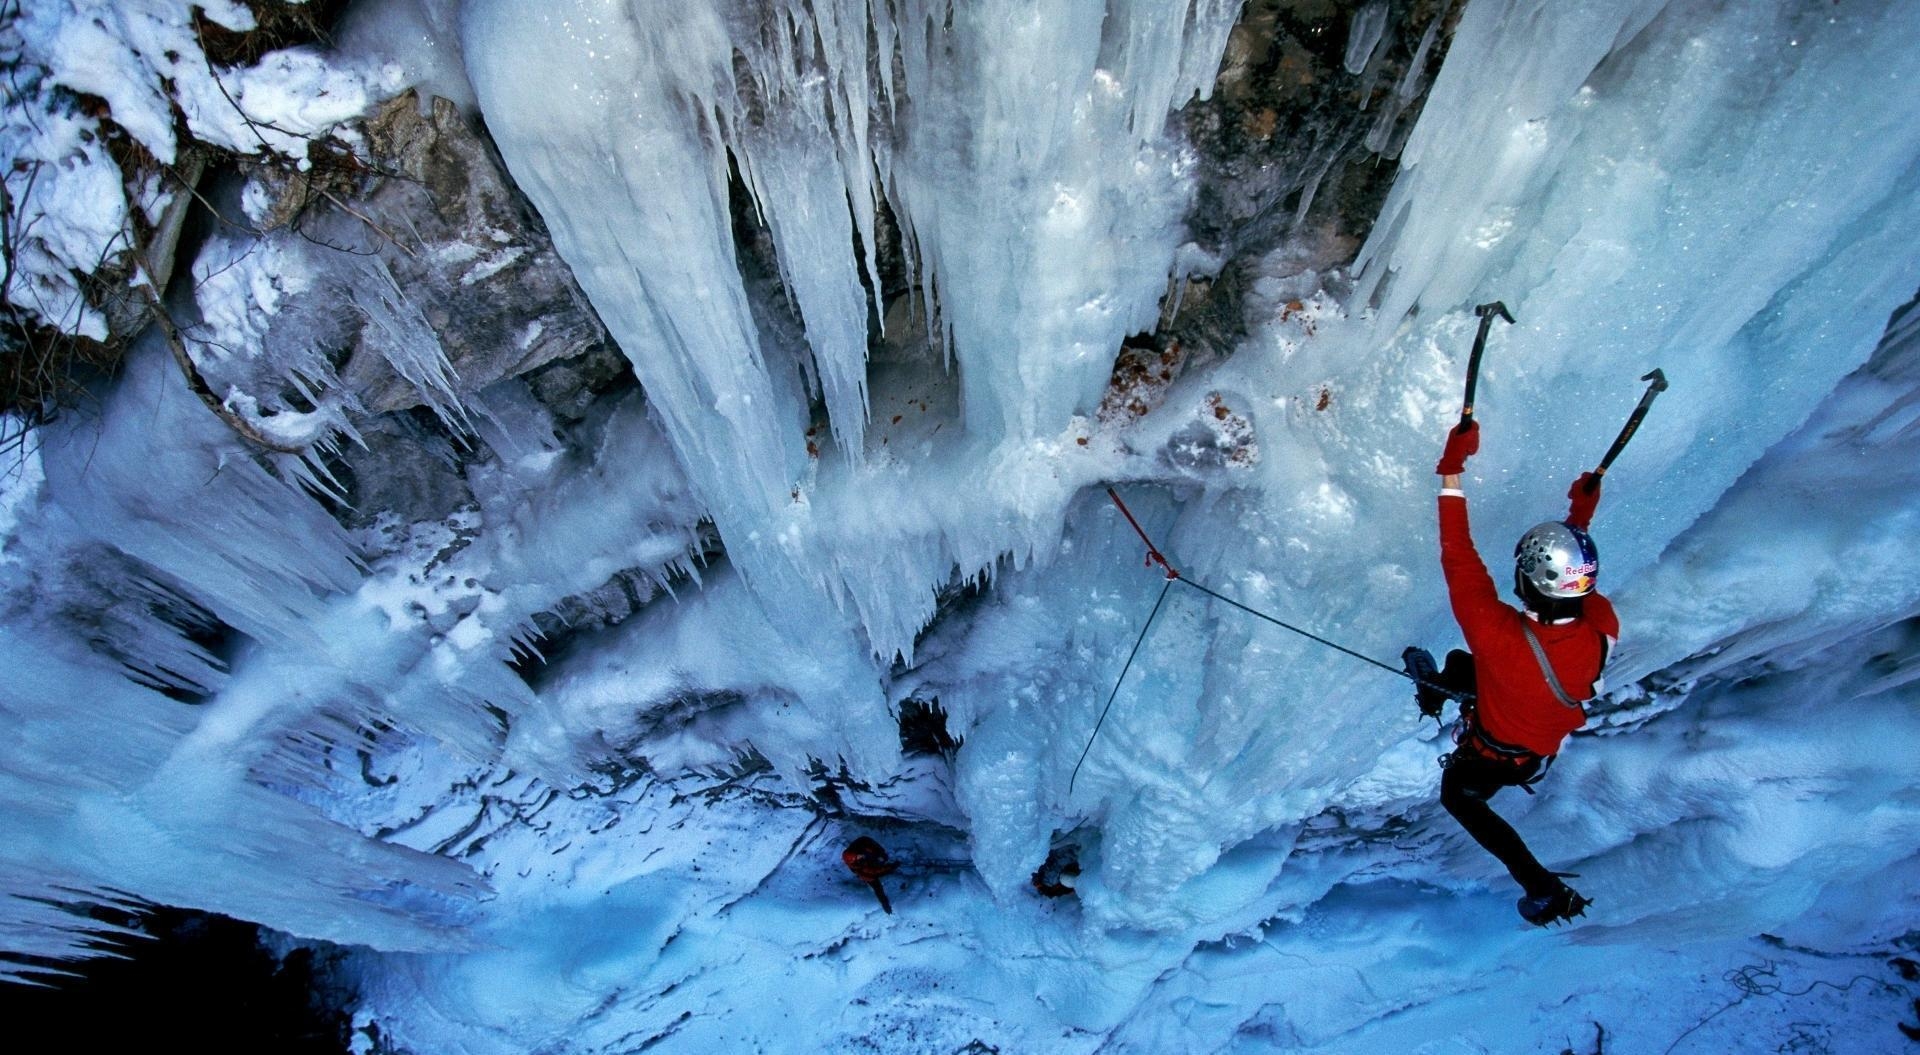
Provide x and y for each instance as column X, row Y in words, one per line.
column 1471, row 738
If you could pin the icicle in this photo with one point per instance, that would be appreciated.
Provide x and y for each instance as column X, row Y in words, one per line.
column 401, row 335
column 1168, row 54
column 1404, row 92
column 1363, row 35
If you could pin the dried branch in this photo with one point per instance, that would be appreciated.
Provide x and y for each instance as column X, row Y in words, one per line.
column 363, row 218
column 178, row 345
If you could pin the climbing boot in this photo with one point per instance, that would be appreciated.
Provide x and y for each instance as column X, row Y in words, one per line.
column 1555, row 906
column 1427, row 693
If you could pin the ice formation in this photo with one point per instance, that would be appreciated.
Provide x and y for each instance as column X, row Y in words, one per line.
column 1059, row 158
column 817, row 528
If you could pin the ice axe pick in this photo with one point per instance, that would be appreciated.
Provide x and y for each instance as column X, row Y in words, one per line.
column 1657, row 384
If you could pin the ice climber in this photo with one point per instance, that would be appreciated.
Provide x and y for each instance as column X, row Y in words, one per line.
column 1528, row 671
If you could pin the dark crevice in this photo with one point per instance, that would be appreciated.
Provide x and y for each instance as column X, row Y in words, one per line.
column 204, row 980
column 576, row 621
column 923, row 728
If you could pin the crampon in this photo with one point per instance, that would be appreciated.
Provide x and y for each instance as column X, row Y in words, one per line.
column 1557, row 907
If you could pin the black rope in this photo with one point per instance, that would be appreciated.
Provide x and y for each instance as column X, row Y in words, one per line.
column 1154, row 557
column 1748, row 980
column 1289, row 626
column 1255, row 612
column 1116, row 685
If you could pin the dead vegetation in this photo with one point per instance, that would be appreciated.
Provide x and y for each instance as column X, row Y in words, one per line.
column 46, row 370
column 277, row 25
column 42, row 369
column 1142, row 373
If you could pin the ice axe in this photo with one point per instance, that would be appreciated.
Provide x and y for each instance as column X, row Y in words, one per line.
column 1486, row 313
column 1657, row 384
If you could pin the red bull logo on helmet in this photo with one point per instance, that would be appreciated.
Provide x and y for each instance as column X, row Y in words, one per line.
column 1578, row 577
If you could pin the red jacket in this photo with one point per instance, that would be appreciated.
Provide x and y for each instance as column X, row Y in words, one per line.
column 1515, row 705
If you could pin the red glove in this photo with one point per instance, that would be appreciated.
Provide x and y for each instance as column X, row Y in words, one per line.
column 1582, row 498
column 1463, row 441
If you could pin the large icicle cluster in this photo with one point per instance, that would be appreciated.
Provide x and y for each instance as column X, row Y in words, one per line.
column 1690, row 214
column 1038, row 203
column 1614, row 218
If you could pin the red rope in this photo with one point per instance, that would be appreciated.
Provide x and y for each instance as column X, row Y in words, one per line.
column 1153, row 555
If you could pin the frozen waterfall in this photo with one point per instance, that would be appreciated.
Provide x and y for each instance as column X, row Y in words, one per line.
column 560, row 719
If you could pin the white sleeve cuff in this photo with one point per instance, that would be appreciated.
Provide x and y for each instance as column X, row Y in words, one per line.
column 1454, row 491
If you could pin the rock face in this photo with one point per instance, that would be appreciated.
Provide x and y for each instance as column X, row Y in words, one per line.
column 465, row 250
column 1297, row 145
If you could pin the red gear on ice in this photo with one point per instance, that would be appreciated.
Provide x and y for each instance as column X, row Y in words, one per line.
column 867, row 860
column 1514, row 704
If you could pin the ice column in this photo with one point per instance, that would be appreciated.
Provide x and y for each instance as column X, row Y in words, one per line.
column 1020, row 147
column 1484, row 144
column 1045, row 206
column 606, row 113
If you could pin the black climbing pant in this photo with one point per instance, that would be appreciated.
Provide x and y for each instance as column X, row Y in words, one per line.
column 1470, row 780
column 1465, row 787
column 1457, row 675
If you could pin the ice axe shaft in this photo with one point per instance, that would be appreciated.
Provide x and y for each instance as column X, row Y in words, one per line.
column 1486, row 313
column 1657, row 384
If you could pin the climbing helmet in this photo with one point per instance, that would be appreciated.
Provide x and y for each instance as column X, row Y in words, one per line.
column 1557, row 559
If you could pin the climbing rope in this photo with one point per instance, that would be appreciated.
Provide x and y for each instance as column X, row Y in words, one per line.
column 1760, row 979
column 1154, row 556
column 1309, row 635
column 1137, row 642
